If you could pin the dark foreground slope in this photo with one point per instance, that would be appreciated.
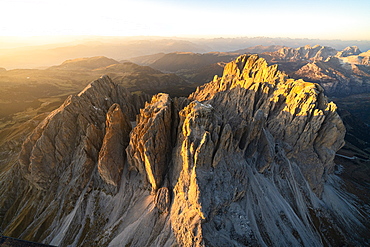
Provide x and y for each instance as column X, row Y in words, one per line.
column 12, row 242
column 246, row 160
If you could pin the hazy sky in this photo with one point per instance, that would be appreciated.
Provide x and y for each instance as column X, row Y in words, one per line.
column 323, row 19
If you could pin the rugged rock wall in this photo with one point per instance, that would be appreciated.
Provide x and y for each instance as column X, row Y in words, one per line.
column 150, row 142
column 74, row 133
column 246, row 160
column 254, row 95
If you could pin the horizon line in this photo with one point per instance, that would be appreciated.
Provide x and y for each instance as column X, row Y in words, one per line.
column 196, row 36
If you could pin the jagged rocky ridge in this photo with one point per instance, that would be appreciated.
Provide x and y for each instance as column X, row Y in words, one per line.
column 312, row 53
column 246, row 160
column 339, row 76
column 340, row 73
column 307, row 52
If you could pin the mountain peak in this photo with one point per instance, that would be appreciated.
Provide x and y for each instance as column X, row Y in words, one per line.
column 51, row 147
column 349, row 51
column 290, row 101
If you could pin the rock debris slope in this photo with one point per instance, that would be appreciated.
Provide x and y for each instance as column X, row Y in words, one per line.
column 246, row 160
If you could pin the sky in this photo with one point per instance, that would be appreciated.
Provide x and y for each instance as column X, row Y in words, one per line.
column 322, row 19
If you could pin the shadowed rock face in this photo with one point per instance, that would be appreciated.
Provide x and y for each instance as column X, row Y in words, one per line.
column 111, row 156
column 246, row 160
column 74, row 133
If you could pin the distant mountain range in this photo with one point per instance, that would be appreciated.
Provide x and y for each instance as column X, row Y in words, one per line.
column 341, row 73
column 21, row 55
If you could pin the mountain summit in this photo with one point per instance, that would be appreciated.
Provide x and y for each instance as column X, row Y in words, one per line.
column 246, row 160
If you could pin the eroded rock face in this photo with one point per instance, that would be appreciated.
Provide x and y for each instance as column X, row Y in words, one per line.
column 162, row 200
column 74, row 130
column 112, row 153
column 295, row 113
column 150, row 141
column 76, row 187
column 246, row 160
column 209, row 162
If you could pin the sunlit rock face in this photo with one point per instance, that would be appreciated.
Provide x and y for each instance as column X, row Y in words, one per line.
column 150, row 141
column 256, row 96
column 246, row 160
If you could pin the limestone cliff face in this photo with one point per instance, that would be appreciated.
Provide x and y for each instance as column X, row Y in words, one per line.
column 73, row 133
column 73, row 163
column 111, row 156
column 207, row 161
column 150, row 142
column 295, row 113
column 246, row 160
